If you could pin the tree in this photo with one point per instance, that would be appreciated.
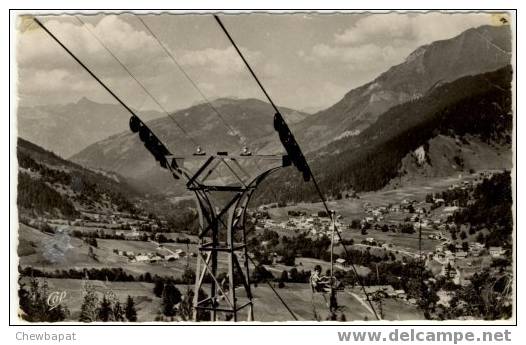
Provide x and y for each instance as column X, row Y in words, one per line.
column 89, row 309
column 449, row 269
column 407, row 228
column 158, row 288
column 92, row 254
column 289, row 257
column 378, row 297
column 429, row 198
column 118, row 312
column 105, row 310
column 34, row 303
column 293, row 274
column 171, row 297
column 188, row 276
column 284, row 276
column 260, row 274
column 129, row 310
column 186, row 306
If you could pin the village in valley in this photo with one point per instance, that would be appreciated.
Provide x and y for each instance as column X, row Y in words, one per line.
column 421, row 230
column 417, row 230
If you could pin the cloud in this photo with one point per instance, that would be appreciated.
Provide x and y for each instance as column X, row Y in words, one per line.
column 383, row 40
column 220, row 61
column 399, row 28
column 47, row 74
column 50, row 75
column 343, row 50
column 376, row 28
column 36, row 48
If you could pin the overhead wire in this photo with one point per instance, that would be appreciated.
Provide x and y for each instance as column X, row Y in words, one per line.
column 277, row 294
column 87, row 69
column 245, row 61
column 194, row 84
column 152, row 97
column 84, row 66
column 347, row 254
column 318, row 190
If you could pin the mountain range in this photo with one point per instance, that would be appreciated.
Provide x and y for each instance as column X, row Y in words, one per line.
column 66, row 129
column 474, row 51
column 457, row 128
column 361, row 118
column 239, row 121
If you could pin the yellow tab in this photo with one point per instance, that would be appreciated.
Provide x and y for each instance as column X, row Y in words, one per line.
column 500, row 19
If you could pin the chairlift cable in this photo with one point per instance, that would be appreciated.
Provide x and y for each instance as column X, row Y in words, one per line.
column 245, row 61
column 84, row 66
column 357, row 275
column 136, row 80
column 318, row 190
column 276, row 293
column 194, row 84
column 87, row 69
column 347, row 254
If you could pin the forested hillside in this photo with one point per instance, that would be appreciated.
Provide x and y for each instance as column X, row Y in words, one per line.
column 48, row 184
column 476, row 105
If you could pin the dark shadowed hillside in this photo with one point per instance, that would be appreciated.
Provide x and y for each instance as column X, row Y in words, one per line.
column 477, row 106
column 52, row 186
column 125, row 154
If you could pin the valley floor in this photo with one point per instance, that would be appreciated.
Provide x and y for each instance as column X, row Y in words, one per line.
column 54, row 252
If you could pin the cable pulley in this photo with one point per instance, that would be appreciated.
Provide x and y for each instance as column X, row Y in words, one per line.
column 291, row 146
column 135, row 124
column 151, row 142
column 295, row 155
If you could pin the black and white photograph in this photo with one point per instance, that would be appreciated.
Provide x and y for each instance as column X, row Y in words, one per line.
column 174, row 167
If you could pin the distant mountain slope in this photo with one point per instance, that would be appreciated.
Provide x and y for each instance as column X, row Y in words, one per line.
column 474, row 51
column 124, row 153
column 52, row 186
column 67, row 129
column 472, row 107
column 449, row 156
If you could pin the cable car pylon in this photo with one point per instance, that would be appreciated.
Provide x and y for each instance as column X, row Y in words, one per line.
column 222, row 210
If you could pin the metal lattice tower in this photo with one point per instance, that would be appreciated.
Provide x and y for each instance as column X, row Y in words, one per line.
column 223, row 185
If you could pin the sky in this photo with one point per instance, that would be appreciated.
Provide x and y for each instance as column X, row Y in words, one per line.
column 305, row 61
